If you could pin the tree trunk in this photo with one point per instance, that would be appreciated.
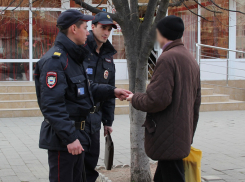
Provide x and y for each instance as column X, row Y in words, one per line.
column 140, row 168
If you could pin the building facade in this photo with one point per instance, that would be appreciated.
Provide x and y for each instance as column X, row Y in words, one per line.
column 28, row 31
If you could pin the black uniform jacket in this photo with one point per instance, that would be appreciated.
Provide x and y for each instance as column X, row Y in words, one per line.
column 65, row 95
column 101, row 69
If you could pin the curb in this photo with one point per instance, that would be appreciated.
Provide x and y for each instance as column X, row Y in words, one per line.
column 113, row 167
column 102, row 178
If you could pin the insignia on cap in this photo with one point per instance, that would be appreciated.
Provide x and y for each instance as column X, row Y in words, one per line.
column 106, row 74
column 51, row 79
column 108, row 16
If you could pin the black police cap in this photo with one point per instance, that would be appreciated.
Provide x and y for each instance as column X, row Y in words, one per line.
column 104, row 19
column 70, row 17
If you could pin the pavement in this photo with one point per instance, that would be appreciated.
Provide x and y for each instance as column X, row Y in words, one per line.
column 220, row 135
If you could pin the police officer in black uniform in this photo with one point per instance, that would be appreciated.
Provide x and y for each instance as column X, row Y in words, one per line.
column 66, row 97
column 101, row 69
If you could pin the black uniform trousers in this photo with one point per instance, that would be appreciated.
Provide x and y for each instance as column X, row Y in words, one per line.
column 92, row 156
column 65, row 167
column 170, row 171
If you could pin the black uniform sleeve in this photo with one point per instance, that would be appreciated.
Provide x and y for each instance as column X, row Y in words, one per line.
column 108, row 107
column 52, row 100
column 102, row 92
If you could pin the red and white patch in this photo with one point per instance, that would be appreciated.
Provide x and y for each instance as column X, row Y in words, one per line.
column 106, row 74
column 108, row 60
column 51, row 79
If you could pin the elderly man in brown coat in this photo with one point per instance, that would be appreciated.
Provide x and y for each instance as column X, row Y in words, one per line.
column 172, row 103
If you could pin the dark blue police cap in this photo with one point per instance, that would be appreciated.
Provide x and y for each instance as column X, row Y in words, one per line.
column 70, row 17
column 104, row 19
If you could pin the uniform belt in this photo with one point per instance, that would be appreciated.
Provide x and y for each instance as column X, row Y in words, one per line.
column 80, row 125
column 79, row 122
column 95, row 109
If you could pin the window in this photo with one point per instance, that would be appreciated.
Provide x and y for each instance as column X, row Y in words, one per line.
column 44, row 32
column 240, row 28
column 190, row 21
column 99, row 1
column 118, row 43
column 22, row 3
column 47, row 3
column 215, row 31
column 14, row 35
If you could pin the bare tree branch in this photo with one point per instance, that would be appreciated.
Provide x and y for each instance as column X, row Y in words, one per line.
column 151, row 8
column 94, row 9
column 134, row 11
column 207, row 8
column 8, row 5
column 162, row 11
column 122, row 7
column 196, row 13
column 100, row 3
column 18, row 5
column 225, row 8
column 176, row 3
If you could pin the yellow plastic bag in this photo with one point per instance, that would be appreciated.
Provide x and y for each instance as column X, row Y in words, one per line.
column 192, row 166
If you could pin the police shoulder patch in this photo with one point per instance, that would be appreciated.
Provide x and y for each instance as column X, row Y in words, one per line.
column 51, row 79
column 56, row 55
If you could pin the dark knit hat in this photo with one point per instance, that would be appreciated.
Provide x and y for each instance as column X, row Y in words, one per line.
column 171, row 27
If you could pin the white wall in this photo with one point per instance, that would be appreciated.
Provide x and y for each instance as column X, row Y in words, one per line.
column 121, row 69
column 217, row 69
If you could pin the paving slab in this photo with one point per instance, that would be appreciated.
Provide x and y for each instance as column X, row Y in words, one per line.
column 220, row 135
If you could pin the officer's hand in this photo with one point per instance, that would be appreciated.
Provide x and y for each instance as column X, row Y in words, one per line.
column 121, row 94
column 75, row 147
column 107, row 129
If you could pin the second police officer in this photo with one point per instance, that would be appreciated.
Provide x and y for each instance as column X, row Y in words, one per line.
column 101, row 69
column 66, row 97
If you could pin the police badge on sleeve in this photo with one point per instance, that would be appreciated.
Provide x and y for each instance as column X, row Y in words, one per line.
column 51, row 79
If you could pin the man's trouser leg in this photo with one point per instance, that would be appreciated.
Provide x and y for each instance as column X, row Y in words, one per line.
column 65, row 167
column 91, row 157
column 170, row 171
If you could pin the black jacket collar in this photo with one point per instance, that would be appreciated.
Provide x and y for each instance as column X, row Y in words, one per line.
column 106, row 49
column 77, row 53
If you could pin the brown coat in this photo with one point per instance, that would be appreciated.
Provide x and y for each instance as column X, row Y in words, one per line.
column 172, row 103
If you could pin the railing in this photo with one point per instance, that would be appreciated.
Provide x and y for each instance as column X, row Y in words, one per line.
column 151, row 63
column 224, row 63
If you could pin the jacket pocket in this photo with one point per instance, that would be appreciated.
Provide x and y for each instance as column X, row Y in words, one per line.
column 81, row 87
column 150, row 124
column 108, row 66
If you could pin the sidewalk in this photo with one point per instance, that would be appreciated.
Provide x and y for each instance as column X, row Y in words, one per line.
column 220, row 135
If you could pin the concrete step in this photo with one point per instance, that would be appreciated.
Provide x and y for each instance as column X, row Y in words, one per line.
column 20, row 112
column 124, row 109
column 207, row 91
column 18, row 89
column 35, row 112
column 230, row 105
column 18, row 104
column 215, row 98
column 18, row 96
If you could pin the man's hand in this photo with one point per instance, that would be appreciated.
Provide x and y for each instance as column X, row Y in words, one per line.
column 129, row 98
column 121, row 94
column 75, row 147
column 107, row 129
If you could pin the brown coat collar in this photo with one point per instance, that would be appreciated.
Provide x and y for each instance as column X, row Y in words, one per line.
column 175, row 43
